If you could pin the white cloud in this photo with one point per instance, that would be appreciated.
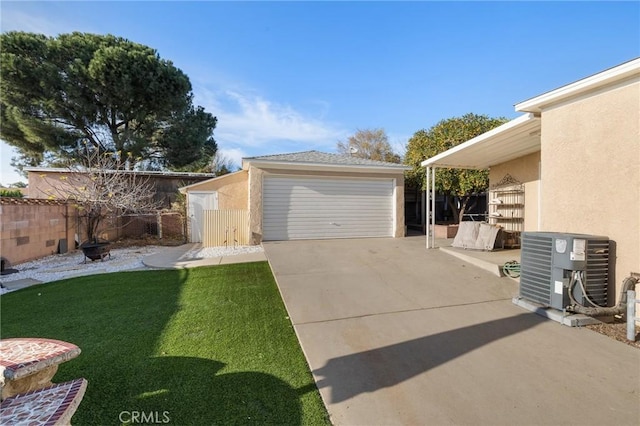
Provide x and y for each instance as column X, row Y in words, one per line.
column 253, row 125
column 20, row 20
column 7, row 174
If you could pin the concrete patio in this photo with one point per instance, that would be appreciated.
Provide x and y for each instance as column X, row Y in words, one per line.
column 397, row 334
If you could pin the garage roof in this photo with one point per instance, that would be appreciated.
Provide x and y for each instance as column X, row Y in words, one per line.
column 321, row 160
column 512, row 140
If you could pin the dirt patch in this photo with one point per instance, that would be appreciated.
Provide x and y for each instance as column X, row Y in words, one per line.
column 146, row 241
column 617, row 330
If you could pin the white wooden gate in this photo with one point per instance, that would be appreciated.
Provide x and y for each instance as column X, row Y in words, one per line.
column 198, row 202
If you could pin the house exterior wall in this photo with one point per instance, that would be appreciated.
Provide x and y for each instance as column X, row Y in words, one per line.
column 256, row 177
column 55, row 185
column 45, row 185
column 255, row 205
column 232, row 189
column 526, row 170
column 590, row 170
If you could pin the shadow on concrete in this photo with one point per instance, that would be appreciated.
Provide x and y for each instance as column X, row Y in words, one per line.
column 371, row 370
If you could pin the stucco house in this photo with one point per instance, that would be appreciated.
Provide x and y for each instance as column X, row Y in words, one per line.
column 306, row 195
column 575, row 152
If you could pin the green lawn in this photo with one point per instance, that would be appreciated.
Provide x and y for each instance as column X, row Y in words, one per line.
column 197, row 346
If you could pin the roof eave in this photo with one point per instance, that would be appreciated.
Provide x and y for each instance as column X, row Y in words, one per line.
column 185, row 189
column 509, row 127
column 594, row 82
column 289, row 165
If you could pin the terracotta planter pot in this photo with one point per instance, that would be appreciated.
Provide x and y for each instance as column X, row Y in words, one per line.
column 446, row 231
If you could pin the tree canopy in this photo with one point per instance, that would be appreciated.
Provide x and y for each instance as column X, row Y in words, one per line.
column 444, row 135
column 372, row 144
column 116, row 95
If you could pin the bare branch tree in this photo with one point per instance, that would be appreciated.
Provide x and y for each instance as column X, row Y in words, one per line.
column 372, row 144
column 222, row 164
column 101, row 187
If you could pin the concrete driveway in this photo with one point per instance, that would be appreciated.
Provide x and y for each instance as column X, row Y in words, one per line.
column 397, row 334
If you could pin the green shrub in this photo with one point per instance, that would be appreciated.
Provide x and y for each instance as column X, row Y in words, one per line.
column 14, row 193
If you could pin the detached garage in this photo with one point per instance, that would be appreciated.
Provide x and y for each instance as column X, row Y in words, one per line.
column 315, row 195
column 297, row 208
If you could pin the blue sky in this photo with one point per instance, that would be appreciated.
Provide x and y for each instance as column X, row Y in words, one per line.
column 293, row 76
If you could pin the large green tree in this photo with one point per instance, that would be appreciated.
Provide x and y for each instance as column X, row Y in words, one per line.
column 372, row 144
column 178, row 149
column 456, row 183
column 116, row 95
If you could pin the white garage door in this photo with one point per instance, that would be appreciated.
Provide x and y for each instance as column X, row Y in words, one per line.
column 298, row 208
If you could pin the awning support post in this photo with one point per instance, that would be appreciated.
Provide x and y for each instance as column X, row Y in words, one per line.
column 430, row 201
column 433, row 207
column 428, row 206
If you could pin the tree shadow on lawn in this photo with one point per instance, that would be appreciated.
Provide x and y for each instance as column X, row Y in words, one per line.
column 117, row 321
column 190, row 391
column 369, row 371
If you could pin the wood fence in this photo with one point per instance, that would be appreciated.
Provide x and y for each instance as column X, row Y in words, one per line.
column 225, row 227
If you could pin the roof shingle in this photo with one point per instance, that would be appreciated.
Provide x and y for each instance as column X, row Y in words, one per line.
column 317, row 157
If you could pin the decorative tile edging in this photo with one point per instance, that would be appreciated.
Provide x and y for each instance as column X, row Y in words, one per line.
column 25, row 356
column 54, row 405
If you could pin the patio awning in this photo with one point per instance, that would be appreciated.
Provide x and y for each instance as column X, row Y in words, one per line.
column 517, row 138
column 514, row 139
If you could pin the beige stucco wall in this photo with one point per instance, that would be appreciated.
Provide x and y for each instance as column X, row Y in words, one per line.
column 526, row 170
column 255, row 204
column 591, row 170
column 56, row 185
column 232, row 190
column 256, row 177
column 48, row 185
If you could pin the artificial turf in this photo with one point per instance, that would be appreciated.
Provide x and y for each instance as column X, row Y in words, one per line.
column 200, row 346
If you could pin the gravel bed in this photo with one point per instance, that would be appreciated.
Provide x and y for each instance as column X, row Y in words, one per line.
column 206, row 252
column 72, row 264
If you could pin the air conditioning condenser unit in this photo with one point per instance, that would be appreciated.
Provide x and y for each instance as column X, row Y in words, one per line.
column 553, row 263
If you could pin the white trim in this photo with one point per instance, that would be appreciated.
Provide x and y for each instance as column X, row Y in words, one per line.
column 427, row 204
column 433, row 207
column 185, row 189
column 394, row 207
column 596, row 81
column 504, row 131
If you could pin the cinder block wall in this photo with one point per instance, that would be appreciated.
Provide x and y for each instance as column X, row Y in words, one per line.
column 31, row 229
